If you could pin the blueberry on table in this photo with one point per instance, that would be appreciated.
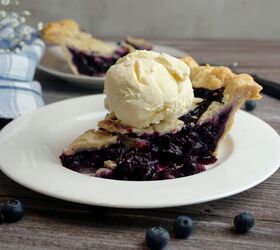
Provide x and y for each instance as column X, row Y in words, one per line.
column 250, row 105
column 243, row 222
column 183, row 227
column 157, row 238
column 12, row 211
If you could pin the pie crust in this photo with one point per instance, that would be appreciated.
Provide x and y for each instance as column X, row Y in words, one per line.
column 237, row 89
column 69, row 36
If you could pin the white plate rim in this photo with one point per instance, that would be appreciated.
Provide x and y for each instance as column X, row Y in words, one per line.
column 263, row 173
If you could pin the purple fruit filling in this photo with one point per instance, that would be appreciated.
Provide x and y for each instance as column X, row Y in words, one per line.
column 161, row 156
column 93, row 64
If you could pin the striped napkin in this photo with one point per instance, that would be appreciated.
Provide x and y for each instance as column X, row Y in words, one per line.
column 21, row 66
column 18, row 92
column 17, row 98
column 20, row 52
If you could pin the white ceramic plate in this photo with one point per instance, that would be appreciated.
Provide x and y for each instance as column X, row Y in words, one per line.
column 30, row 146
column 53, row 62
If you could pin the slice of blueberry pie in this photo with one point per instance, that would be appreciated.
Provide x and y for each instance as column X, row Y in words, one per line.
column 166, row 118
column 85, row 54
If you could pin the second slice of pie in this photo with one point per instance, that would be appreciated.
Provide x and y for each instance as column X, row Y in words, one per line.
column 85, row 54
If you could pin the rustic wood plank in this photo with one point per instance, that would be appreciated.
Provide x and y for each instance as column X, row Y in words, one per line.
column 55, row 224
column 254, row 54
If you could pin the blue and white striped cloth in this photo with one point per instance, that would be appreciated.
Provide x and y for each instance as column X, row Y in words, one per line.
column 21, row 66
column 18, row 92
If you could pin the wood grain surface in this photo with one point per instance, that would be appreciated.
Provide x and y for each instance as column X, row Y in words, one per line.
column 54, row 224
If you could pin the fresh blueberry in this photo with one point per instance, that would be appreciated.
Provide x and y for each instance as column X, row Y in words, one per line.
column 12, row 211
column 250, row 105
column 157, row 237
column 183, row 227
column 243, row 222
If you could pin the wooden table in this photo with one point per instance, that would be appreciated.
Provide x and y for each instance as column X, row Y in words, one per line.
column 54, row 224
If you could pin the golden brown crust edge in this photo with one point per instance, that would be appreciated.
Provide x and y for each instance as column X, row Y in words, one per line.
column 242, row 85
column 67, row 32
column 56, row 32
column 238, row 89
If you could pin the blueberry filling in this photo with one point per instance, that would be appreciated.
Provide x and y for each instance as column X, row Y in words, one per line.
column 161, row 156
column 93, row 64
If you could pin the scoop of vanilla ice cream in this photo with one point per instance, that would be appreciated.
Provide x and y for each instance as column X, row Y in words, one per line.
column 145, row 88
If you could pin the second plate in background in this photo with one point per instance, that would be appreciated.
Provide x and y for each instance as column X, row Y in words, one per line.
column 54, row 63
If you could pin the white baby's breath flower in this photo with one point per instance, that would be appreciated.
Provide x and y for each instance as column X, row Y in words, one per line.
column 15, row 32
column 3, row 13
column 26, row 30
column 22, row 44
column 22, row 19
column 14, row 23
column 5, row 2
column 40, row 26
column 235, row 64
column 26, row 13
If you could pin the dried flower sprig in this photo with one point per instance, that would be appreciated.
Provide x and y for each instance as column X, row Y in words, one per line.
column 14, row 33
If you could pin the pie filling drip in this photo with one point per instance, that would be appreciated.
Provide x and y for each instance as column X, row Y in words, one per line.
column 155, row 156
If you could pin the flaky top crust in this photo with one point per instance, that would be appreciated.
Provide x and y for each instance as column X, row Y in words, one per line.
column 236, row 85
column 68, row 33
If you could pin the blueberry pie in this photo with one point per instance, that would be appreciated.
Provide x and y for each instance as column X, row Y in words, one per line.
column 166, row 118
column 85, row 54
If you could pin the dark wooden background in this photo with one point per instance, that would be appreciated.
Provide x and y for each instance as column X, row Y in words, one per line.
column 54, row 224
